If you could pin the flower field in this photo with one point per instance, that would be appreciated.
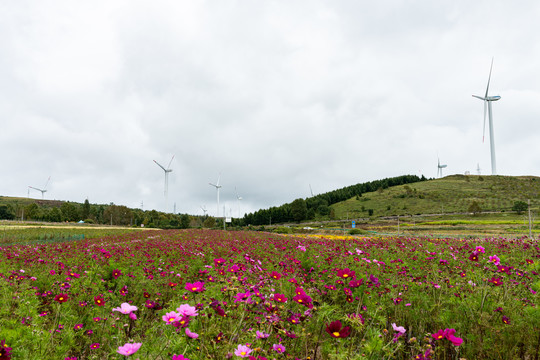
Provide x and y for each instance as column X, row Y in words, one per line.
column 202, row 294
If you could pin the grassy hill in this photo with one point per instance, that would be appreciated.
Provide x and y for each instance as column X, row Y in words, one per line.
column 451, row 194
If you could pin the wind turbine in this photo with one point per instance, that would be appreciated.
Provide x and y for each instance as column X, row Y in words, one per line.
column 217, row 186
column 44, row 190
column 311, row 190
column 238, row 198
column 439, row 168
column 204, row 210
column 487, row 106
column 167, row 171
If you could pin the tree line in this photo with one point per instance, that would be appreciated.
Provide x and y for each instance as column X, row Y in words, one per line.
column 111, row 214
column 319, row 205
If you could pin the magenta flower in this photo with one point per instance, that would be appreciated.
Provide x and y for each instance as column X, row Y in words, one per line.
column 278, row 348
column 179, row 357
column 497, row 281
column 95, row 346
column 129, row 349
column 242, row 351
column 61, row 298
column 280, row 298
column 346, row 273
column 125, row 308
column 335, row 329
column 449, row 335
column 197, row 286
column 506, row 320
column 171, row 317
column 262, row 335
column 187, row 310
column 191, row 334
column 480, row 249
column 495, row 259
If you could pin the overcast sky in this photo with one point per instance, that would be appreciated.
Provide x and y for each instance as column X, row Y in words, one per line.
column 274, row 95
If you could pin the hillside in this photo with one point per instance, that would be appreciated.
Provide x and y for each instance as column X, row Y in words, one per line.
column 451, row 194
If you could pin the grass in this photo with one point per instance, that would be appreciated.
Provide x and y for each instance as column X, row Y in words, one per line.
column 451, row 194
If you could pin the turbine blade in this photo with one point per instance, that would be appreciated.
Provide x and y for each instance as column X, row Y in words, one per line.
column 158, row 164
column 489, row 78
column 219, row 177
column 479, row 97
column 47, row 183
column 169, row 166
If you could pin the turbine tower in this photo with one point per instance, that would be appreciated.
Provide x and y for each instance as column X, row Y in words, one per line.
column 167, row 171
column 204, row 210
column 439, row 168
column 487, row 107
column 44, row 190
column 217, row 186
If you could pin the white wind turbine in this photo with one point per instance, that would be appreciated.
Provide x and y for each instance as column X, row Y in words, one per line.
column 439, row 168
column 204, row 210
column 217, row 186
column 487, row 106
column 44, row 190
column 167, row 171
column 238, row 198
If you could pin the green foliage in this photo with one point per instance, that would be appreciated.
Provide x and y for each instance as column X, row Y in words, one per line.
column 474, row 207
column 298, row 210
column 209, row 222
column 520, row 207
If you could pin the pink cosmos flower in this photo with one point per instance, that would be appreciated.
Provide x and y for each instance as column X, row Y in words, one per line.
column 399, row 329
column 262, row 335
column 278, row 348
column 191, row 334
column 449, row 335
column 280, row 298
column 495, row 259
column 179, row 357
column 129, row 349
column 480, row 249
column 197, row 286
column 125, row 308
column 242, row 351
column 171, row 317
column 187, row 310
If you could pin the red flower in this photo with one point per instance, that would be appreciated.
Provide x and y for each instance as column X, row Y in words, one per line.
column 275, row 275
column 506, row 320
column 280, row 298
column 61, row 298
column 346, row 273
column 99, row 300
column 335, row 329
column 496, row 281
column 116, row 273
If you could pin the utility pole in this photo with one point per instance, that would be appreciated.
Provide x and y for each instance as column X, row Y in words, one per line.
column 398, row 225
column 530, row 223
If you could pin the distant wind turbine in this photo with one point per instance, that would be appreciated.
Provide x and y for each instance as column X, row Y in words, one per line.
column 204, row 209
column 238, row 198
column 439, row 168
column 44, row 190
column 311, row 190
column 217, row 186
column 487, row 107
column 167, row 171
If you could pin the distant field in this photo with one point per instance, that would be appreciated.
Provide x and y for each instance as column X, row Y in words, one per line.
column 12, row 233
